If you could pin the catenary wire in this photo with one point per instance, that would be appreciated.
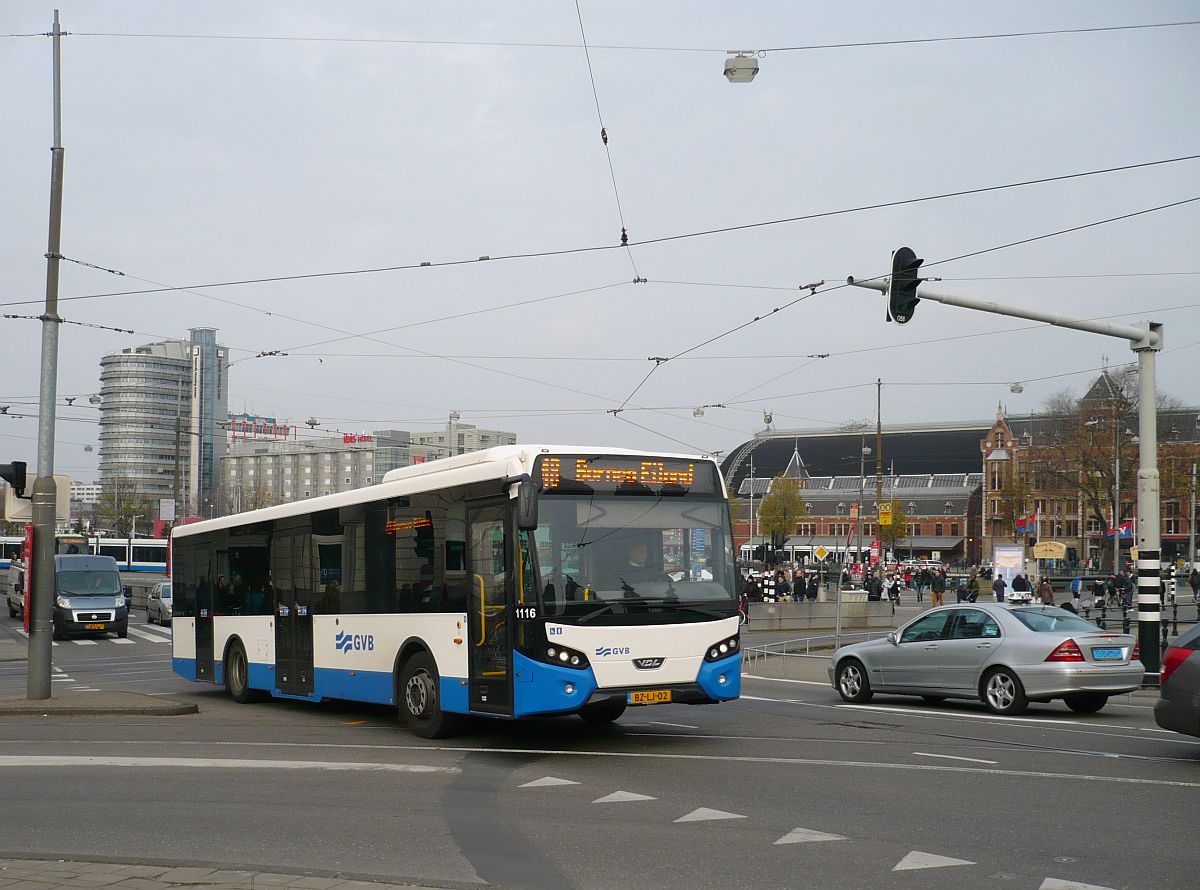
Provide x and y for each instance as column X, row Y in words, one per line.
column 605, row 247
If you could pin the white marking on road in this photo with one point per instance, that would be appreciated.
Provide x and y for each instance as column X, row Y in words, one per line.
column 916, row 859
column 676, row 725
column 807, row 836
column 83, row 689
column 704, row 758
column 154, row 628
column 62, row 679
column 29, row 760
column 125, row 642
column 622, row 797
column 952, row 757
column 704, row 814
column 1059, row 884
column 154, row 638
column 84, row 642
column 782, row 680
column 546, row 782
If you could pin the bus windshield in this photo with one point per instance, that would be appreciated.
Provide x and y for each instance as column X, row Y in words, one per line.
column 633, row 560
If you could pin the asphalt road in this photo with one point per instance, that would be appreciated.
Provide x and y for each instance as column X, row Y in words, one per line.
column 788, row 787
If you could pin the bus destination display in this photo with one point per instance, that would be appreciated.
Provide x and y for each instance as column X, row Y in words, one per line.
column 621, row 475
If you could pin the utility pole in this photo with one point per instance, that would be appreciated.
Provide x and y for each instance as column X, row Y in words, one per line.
column 41, row 597
column 1192, row 524
column 879, row 465
column 1116, row 494
column 1146, row 341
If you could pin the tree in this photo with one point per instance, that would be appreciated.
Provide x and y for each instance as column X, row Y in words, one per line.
column 892, row 535
column 1013, row 502
column 120, row 504
column 261, row 495
column 781, row 510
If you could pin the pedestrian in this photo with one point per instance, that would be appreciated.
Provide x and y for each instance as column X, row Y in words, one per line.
column 1194, row 583
column 1098, row 592
column 891, row 587
column 783, row 587
column 998, row 587
column 937, row 585
column 1130, row 586
column 1076, row 590
column 1046, row 592
column 814, row 587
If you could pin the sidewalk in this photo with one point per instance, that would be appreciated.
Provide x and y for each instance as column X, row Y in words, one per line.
column 12, row 650
column 41, row 874
column 94, row 704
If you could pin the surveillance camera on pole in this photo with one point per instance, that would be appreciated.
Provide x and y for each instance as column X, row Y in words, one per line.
column 902, row 288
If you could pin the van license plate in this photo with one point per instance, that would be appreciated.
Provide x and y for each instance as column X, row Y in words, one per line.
column 650, row 697
column 97, row 626
column 1108, row 654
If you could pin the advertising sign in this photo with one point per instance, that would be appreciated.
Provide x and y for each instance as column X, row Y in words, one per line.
column 1009, row 560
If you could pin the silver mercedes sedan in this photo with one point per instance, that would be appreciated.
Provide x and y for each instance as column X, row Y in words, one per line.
column 1004, row 656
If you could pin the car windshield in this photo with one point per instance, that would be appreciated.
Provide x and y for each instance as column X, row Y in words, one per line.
column 89, row 583
column 638, row 560
column 1049, row 619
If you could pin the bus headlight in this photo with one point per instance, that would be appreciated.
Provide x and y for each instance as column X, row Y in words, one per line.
column 722, row 649
column 565, row 657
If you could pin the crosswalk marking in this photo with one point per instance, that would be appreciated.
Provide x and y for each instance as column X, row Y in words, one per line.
column 917, row 860
column 120, row 641
column 84, row 642
column 154, row 638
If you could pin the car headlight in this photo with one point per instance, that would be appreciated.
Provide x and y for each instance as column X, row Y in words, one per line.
column 120, row 600
column 63, row 602
column 722, row 649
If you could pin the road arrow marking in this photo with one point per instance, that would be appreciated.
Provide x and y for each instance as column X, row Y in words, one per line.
column 704, row 814
column 807, row 836
column 917, row 859
column 622, row 797
column 1057, row 884
column 546, row 782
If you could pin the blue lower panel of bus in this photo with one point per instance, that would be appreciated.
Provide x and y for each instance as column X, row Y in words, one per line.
column 542, row 688
column 711, row 673
column 185, row 667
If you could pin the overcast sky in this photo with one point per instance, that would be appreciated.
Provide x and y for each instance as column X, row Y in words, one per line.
column 192, row 161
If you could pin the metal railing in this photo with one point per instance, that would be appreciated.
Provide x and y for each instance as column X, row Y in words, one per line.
column 803, row 646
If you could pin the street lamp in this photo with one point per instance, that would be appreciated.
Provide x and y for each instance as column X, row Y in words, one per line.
column 912, row 509
column 741, row 66
column 862, row 460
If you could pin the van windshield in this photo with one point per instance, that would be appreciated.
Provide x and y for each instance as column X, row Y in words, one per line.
column 89, row 583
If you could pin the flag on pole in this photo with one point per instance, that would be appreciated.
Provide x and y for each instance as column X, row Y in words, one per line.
column 1125, row 529
column 1026, row 525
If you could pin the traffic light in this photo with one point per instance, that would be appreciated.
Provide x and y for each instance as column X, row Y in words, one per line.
column 902, row 288
column 14, row 475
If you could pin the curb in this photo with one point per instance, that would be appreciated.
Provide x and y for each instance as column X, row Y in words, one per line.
column 51, row 708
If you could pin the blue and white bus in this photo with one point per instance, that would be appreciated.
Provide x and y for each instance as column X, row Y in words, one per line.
column 517, row 581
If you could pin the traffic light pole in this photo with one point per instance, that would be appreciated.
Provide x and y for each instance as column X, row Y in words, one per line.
column 1146, row 341
column 41, row 594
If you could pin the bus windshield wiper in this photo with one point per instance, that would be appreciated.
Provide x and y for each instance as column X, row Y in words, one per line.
column 584, row 619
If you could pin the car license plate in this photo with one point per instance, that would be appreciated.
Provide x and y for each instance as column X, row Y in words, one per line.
column 97, row 626
column 650, row 697
column 1108, row 654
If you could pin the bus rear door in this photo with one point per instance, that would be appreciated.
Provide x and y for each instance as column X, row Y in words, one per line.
column 294, row 595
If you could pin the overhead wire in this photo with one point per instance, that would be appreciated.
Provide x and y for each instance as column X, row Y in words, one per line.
column 537, row 254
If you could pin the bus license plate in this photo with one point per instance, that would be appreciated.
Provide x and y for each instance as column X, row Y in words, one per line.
column 1108, row 654
column 97, row 626
column 650, row 697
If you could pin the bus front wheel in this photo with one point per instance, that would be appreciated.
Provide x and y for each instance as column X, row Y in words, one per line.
column 420, row 702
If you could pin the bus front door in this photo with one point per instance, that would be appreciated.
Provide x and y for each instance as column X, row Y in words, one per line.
column 204, row 613
column 490, row 653
column 293, row 615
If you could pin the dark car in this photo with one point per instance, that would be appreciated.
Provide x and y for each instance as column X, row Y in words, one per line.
column 1178, row 706
column 88, row 597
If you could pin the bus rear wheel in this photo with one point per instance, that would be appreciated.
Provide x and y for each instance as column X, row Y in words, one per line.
column 420, row 702
column 237, row 675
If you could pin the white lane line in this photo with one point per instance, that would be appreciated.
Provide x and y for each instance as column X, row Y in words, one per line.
column 125, row 642
column 62, row 679
column 782, row 680
column 154, row 638
column 676, row 725
column 15, row 760
column 952, row 757
column 83, row 689
column 84, row 642
column 546, row 782
column 642, row 755
column 623, row 797
column 807, row 836
column 704, row 814
column 916, row 859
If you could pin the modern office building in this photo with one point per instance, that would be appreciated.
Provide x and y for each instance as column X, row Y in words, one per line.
column 159, row 406
column 459, row 438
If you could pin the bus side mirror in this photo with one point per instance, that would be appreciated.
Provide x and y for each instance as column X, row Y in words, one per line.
column 527, row 501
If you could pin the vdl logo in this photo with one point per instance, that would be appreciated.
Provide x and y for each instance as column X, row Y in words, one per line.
column 605, row 651
column 358, row 642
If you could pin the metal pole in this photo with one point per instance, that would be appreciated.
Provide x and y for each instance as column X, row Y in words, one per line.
column 1116, row 498
column 879, row 467
column 1192, row 524
column 41, row 596
column 1149, row 597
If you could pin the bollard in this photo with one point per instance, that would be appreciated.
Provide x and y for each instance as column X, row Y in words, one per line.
column 1124, row 619
column 1175, row 619
column 1103, row 608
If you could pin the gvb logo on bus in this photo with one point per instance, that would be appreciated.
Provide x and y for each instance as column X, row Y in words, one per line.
column 358, row 642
